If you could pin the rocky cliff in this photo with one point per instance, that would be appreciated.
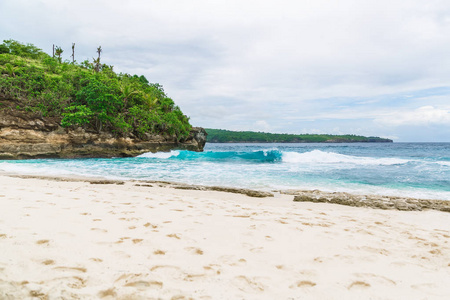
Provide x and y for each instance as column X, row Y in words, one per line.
column 27, row 135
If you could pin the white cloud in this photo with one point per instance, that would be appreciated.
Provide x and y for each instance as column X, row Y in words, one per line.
column 284, row 58
column 425, row 115
column 262, row 125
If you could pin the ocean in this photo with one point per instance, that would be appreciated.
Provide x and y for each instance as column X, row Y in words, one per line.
column 420, row 170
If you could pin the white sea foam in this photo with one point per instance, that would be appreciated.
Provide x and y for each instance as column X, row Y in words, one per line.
column 317, row 156
column 161, row 155
column 34, row 169
column 314, row 169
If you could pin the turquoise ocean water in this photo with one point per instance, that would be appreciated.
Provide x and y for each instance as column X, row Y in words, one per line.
column 402, row 169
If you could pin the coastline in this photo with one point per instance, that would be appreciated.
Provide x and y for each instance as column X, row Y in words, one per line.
column 384, row 202
column 70, row 237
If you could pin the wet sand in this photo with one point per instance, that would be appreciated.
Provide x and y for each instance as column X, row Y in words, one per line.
column 74, row 239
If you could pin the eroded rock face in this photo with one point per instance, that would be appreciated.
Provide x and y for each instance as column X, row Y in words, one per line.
column 27, row 135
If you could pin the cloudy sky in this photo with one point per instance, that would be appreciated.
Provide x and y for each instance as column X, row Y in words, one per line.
column 295, row 66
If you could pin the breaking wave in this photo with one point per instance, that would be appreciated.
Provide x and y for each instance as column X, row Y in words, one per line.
column 317, row 156
column 271, row 156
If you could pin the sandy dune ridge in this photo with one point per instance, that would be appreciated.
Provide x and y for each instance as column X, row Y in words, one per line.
column 73, row 239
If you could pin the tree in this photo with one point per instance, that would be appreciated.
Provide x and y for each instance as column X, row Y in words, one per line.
column 73, row 53
column 3, row 49
column 101, row 98
column 97, row 61
column 76, row 115
column 127, row 93
column 16, row 48
column 121, row 104
column 58, row 52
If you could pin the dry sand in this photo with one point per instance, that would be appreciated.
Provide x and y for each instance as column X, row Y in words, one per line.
column 71, row 240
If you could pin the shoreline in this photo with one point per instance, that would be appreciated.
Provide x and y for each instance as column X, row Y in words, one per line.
column 135, row 240
column 384, row 202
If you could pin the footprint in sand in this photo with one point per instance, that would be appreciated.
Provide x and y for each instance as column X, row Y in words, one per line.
column 143, row 284
column 48, row 262
column 182, row 297
column 37, row 294
column 231, row 260
column 43, row 242
column 74, row 282
column 125, row 238
column 96, row 259
column 375, row 278
column 248, row 284
column 174, row 235
column 192, row 277
column 241, row 216
column 257, row 250
column 99, row 229
column 150, row 225
column 108, row 293
column 78, row 269
column 140, row 281
column 167, row 271
column 303, row 284
column 319, row 259
column 358, row 285
column 194, row 250
column 213, row 269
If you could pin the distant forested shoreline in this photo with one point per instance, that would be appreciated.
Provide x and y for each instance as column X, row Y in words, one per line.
column 227, row 136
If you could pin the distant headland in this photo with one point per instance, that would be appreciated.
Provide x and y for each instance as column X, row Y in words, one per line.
column 227, row 136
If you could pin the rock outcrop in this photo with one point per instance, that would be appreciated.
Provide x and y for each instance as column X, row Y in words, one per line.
column 248, row 192
column 372, row 201
column 27, row 135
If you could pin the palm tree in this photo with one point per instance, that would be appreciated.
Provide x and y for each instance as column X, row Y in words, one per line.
column 97, row 61
column 127, row 92
column 150, row 101
column 58, row 52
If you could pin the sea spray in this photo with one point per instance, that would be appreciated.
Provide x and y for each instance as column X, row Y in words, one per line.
column 160, row 155
column 322, row 157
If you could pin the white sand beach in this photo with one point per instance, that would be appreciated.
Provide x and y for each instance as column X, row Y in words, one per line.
column 76, row 240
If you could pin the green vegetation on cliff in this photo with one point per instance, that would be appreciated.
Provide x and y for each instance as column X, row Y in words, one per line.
column 90, row 95
column 226, row 136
